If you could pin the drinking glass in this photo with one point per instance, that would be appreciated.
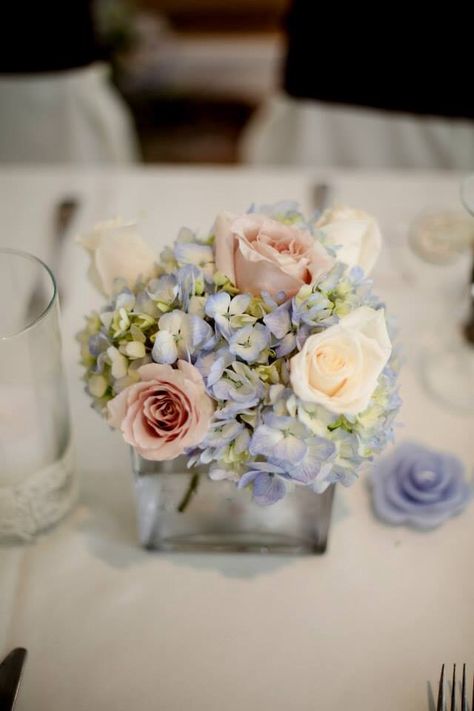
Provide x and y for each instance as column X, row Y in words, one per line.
column 37, row 482
column 447, row 365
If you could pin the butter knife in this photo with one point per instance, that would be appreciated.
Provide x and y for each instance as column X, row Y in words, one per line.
column 64, row 213
column 320, row 196
column 10, row 675
column 469, row 325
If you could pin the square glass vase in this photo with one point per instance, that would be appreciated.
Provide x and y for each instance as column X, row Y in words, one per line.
column 184, row 510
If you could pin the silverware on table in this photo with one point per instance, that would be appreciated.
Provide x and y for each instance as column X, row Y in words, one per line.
column 469, row 325
column 441, row 705
column 64, row 213
column 10, row 676
column 320, row 196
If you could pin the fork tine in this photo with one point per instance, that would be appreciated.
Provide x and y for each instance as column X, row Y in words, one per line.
column 453, row 690
column 463, row 689
column 440, row 704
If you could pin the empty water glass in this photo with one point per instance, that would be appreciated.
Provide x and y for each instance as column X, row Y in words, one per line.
column 37, row 483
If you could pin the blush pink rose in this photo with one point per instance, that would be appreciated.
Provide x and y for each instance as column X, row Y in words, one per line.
column 165, row 413
column 260, row 254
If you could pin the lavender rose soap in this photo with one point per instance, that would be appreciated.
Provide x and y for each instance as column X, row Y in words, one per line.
column 419, row 487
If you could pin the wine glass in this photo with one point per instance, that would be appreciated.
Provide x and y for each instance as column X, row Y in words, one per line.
column 447, row 363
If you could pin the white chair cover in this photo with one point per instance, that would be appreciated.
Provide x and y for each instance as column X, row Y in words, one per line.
column 309, row 133
column 74, row 116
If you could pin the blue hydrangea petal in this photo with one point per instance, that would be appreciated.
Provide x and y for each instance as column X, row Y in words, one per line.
column 218, row 367
column 342, row 475
column 267, row 488
column 286, row 345
column 264, row 440
column 192, row 253
column 232, row 409
column 277, row 445
column 221, row 433
column 201, row 333
column 217, row 304
column 239, row 304
column 279, row 321
column 319, row 452
column 249, row 342
column 98, row 343
column 164, row 349
column 290, row 449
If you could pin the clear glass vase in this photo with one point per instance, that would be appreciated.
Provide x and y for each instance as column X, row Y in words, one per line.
column 37, row 476
column 183, row 510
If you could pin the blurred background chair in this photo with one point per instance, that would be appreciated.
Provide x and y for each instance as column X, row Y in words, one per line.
column 57, row 104
column 369, row 89
column 196, row 72
column 262, row 82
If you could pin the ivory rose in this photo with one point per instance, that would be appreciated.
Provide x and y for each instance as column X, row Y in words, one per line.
column 339, row 367
column 355, row 233
column 165, row 413
column 117, row 251
column 260, row 254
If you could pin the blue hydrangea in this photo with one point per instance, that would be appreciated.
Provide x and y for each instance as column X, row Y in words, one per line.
column 262, row 436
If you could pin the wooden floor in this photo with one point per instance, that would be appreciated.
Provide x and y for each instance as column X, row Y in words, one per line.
column 189, row 130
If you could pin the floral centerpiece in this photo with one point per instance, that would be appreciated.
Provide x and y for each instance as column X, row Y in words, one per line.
column 257, row 349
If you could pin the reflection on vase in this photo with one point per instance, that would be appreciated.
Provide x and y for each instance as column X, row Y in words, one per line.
column 181, row 510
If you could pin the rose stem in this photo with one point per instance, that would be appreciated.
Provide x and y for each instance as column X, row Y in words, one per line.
column 193, row 484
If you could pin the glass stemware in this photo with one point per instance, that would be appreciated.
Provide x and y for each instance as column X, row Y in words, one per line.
column 447, row 364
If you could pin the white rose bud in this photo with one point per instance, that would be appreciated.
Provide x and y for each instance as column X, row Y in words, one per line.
column 117, row 251
column 355, row 233
column 339, row 367
column 135, row 349
column 97, row 385
column 119, row 364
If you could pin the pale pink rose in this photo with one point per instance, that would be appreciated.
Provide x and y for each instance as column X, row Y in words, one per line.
column 165, row 413
column 260, row 254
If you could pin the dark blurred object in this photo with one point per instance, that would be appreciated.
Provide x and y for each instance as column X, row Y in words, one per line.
column 115, row 25
column 394, row 59
column 469, row 325
column 189, row 130
column 220, row 15
column 57, row 103
column 10, row 676
column 47, row 36
column 193, row 81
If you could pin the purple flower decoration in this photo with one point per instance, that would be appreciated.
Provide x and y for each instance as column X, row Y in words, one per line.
column 267, row 486
column 419, row 487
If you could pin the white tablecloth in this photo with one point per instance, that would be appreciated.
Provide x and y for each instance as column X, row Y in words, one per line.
column 111, row 627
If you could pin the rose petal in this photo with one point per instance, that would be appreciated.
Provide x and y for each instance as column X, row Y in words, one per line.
column 224, row 244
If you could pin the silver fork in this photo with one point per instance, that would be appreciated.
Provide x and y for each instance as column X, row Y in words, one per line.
column 64, row 213
column 320, row 196
column 441, row 706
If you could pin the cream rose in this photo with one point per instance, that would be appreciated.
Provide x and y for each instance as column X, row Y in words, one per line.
column 165, row 413
column 355, row 233
column 117, row 250
column 260, row 254
column 339, row 367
